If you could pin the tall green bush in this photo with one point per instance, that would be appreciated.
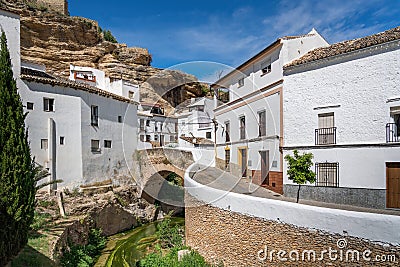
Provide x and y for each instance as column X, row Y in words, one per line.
column 17, row 170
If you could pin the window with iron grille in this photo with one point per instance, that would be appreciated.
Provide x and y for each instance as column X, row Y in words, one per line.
column 242, row 122
column 29, row 105
column 141, row 122
column 141, row 138
column 95, row 116
column 208, row 135
column 326, row 132
column 327, row 174
column 262, row 121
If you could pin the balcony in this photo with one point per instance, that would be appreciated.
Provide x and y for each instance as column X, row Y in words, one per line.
column 325, row 136
column 392, row 133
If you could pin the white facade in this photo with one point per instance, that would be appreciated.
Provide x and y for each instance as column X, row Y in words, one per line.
column 156, row 130
column 97, row 78
column 59, row 122
column 255, row 93
column 361, row 92
column 69, row 133
column 196, row 121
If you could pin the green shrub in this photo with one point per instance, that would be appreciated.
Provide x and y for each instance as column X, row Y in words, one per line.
column 109, row 37
column 40, row 220
column 168, row 235
column 85, row 256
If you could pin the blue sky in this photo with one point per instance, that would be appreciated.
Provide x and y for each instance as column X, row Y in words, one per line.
column 229, row 32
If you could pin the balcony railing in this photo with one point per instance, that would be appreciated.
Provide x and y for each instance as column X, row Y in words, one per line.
column 392, row 133
column 325, row 136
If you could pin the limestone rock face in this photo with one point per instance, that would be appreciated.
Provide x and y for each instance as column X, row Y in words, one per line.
column 57, row 40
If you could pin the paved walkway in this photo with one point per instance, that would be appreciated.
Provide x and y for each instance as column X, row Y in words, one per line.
column 219, row 179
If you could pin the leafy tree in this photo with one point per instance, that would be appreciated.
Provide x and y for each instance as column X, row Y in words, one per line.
column 17, row 169
column 299, row 169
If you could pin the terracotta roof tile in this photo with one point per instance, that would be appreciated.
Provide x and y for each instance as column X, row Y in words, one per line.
column 347, row 46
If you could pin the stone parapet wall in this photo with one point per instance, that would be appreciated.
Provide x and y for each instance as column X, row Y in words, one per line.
column 60, row 6
column 240, row 240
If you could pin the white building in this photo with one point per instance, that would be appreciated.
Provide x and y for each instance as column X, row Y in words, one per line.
column 342, row 103
column 155, row 128
column 196, row 127
column 250, row 126
column 81, row 133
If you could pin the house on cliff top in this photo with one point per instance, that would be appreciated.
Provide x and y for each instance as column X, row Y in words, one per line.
column 80, row 130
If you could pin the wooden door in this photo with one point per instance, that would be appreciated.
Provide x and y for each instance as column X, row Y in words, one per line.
column 243, row 161
column 264, row 167
column 393, row 185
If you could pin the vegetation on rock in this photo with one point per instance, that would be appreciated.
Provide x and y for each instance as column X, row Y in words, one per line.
column 85, row 256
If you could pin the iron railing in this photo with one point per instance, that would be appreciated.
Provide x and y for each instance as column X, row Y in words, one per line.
column 327, row 174
column 392, row 133
column 325, row 136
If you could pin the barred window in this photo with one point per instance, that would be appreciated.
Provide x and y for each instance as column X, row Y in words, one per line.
column 327, row 174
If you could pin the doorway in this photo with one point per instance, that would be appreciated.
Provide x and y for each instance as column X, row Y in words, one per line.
column 393, row 185
column 243, row 161
column 264, row 167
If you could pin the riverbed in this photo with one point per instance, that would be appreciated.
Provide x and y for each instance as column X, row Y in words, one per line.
column 125, row 249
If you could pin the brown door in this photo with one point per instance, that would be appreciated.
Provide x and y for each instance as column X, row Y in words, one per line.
column 264, row 167
column 393, row 185
column 243, row 161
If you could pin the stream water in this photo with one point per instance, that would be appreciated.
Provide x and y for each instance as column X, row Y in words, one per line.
column 127, row 248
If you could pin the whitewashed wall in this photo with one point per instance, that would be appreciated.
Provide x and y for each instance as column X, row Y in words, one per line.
column 271, row 105
column 10, row 24
column 360, row 85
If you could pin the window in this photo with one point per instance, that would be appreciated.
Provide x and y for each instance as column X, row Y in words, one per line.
column 393, row 127
column 62, row 140
column 120, row 119
column 227, row 131
column 95, row 116
column 44, row 144
column 240, row 82
column 156, row 138
column 95, row 144
column 327, row 174
column 107, row 143
column 227, row 159
column 326, row 132
column 48, row 104
column 148, row 123
column 242, row 122
column 172, row 138
column 176, row 127
column 131, row 94
column 156, row 127
column 262, row 121
column 148, row 138
column 266, row 66
column 141, row 122
column 142, row 138
column 29, row 105
column 208, row 135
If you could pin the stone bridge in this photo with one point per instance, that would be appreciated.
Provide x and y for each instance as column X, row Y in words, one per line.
column 153, row 166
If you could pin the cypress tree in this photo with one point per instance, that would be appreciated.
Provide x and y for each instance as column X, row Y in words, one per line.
column 17, row 169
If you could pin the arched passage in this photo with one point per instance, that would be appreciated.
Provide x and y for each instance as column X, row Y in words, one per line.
column 165, row 188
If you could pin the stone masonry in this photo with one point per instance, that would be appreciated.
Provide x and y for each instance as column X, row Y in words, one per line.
column 239, row 240
column 60, row 6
